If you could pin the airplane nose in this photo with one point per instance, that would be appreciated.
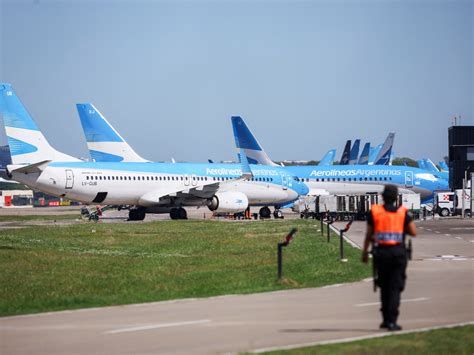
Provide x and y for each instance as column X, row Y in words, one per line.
column 292, row 194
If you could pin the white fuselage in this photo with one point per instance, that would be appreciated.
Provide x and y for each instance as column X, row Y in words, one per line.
column 143, row 188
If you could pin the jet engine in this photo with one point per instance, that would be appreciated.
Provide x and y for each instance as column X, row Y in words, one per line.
column 229, row 201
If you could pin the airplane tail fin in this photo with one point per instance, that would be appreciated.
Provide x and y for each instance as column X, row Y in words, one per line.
column 364, row 157
column 346, row 153
column 354, row 152
column 27, row 144
column 245, row 140
column 430, row 166
column 383, row 157
column 328, row 158
column 105, row 144
column 373, row 153
column 443, row 166
column 421, row 164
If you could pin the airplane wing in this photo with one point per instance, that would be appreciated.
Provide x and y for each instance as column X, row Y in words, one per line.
column 203, row 191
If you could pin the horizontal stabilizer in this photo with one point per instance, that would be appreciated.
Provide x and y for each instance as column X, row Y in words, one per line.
column 29, row 169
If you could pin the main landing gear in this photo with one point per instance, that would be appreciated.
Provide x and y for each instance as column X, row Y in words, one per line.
column 266, row 213
column 136, row 214
column 178, row 213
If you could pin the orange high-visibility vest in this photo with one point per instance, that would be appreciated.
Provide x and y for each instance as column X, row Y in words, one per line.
column 389, row 227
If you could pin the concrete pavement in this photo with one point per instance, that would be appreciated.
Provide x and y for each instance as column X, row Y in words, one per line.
column 440, row 291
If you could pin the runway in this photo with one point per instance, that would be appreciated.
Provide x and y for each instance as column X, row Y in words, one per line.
column 440, row 291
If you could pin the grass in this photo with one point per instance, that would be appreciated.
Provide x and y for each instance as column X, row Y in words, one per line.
column 23, row 218
column 458, row 340
column 86, row 265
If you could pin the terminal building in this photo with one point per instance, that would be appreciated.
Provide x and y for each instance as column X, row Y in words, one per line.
column 461, row 155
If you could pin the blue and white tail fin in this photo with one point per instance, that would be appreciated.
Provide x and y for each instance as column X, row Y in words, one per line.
column 443, row 166
column 328, row 159
column 27, row 144
column 364, row 156
column 105, row 144
column 245, row 140
column 383, row 157
column 346, row 154
column 427, row 164
column 421, row 164
column 373, row 153
column 354, row 152
column 430, row 166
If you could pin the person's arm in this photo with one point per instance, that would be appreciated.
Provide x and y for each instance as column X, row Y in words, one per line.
column 411, row 229
column 368, row 240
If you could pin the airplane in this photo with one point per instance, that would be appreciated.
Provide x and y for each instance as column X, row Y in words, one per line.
column 328, row 158
column 363, row 179
column 96, row 127
column 149, row 187
column 346, row 153
column 354, row 152
column 364, row 157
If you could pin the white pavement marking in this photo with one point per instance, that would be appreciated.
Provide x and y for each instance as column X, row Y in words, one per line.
column 458, row 237
column 348, row 340
column 156, row 326
column 429, row 230
column 403, row 301
column 331, row 286
column 437, row 232
column 447, row 235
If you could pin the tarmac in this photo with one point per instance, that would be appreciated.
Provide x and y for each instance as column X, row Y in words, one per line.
column 439, row 292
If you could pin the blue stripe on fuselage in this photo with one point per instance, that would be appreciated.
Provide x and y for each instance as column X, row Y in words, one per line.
column 201, row 169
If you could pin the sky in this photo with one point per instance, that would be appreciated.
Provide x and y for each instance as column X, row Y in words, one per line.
column 305, row 75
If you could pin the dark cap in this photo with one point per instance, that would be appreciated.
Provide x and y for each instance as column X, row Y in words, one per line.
column 390, row 193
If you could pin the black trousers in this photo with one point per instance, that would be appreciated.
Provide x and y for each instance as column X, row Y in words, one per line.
column 391, row 263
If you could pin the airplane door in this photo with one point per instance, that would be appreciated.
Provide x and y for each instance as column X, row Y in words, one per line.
column 186, row 180
column 69, row 179
column 408, row 178
column 284, row 182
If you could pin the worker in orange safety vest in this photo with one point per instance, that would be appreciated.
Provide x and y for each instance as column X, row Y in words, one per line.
column 386, row 229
